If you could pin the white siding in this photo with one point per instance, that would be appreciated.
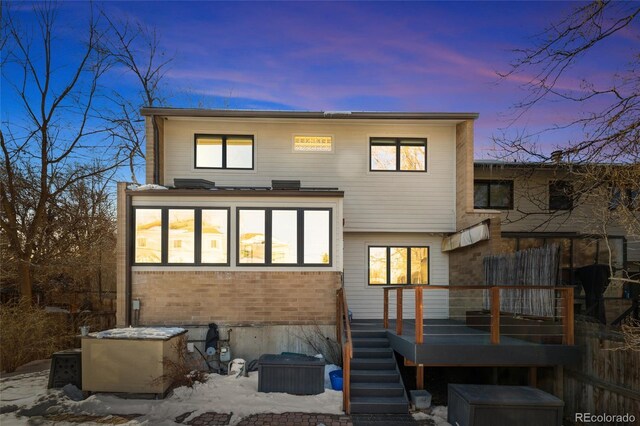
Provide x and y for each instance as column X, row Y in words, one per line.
column 374, row 201
column 366, row 301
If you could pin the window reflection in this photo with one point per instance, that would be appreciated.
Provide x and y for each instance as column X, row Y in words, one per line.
column 239, row 152
column 251, row 231
column 284, row 236
column 316, row 237
column 383, row 157
column 377, row 265
column 148, row 245
column 214, row 236
column 398, row 265
column 209, row 151
column 419, row 265
column 181, row 247
column 412, row 157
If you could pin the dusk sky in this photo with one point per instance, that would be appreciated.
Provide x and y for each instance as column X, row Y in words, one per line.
column 350, row 56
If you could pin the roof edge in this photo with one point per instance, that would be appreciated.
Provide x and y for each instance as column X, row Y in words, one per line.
column 349, row 115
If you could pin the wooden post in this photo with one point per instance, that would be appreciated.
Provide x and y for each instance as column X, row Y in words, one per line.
column 419, row 318
column 495, row 315
column 399, row 311
column 385, row 319
column 346, row 377
column 339, row 316
column 420, row 377
column 568, row 337
column 558, row 382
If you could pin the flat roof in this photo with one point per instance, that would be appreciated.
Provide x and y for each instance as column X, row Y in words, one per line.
column 342, row 115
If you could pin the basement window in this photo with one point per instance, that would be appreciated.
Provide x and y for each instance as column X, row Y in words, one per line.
column 397, row 265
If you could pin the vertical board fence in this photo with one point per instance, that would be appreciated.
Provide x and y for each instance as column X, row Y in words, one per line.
column 605, row 380
column 535, row 267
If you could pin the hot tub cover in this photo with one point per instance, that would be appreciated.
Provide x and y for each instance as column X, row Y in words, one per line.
column 154, row 333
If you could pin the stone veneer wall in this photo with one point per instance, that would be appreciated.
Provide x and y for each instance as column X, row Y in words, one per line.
column 236, row 298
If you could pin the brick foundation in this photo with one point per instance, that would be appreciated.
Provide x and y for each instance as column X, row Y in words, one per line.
column 236, row 298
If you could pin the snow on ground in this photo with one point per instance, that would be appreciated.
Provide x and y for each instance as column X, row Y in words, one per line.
column 222, row 394
column 438, row 416
column 160, row 333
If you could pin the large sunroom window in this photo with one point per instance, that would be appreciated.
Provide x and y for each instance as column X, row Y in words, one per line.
column 181, row 236
column 284, row 236
column 395, row 265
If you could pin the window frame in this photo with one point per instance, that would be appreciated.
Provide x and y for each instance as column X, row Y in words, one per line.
column 377, row 141
column 223, row 137
column 388, row 252
column 488, row 183
column 268, row 238
column 570, row 195
column 164, row 236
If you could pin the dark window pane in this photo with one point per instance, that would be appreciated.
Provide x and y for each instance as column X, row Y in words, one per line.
column 209, row 151
column 181, row 247
column 500, row 195
column 377, row 265
column 316, row 237
column 148, row 238
column 214, row 236
column 251, row 231
column 239, row 152
column 284, row 236
column 480, row 195
column 560, row 195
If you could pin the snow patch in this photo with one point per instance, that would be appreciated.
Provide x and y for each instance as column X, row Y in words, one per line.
column 159, row 333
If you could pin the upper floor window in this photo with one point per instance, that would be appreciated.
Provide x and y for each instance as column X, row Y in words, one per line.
column 284, row 236
column 224, row 151
column 398, row 265
column 181, row 236
column 398, row 154
column 493, row 194
column 630, row 198
column 560, row 195
column 313, row 143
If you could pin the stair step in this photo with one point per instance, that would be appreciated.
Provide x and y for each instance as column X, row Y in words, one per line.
column 378, row 404
column 369, row 333
column 360, row 342
column 373, row 364
column 375, row 376
column 377, row 389
column 373, row 353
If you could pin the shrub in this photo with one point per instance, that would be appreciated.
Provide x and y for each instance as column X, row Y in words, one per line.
column 29, row 333
column 182, row 371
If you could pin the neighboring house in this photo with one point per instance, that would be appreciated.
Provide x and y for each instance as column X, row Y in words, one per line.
column 377, row 194
column 552, row 203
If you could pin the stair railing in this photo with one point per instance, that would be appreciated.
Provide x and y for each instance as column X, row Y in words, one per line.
column 565, row 299
column 343, row 336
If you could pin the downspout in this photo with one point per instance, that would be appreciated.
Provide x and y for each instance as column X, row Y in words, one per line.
column 156, row 151
column 128, row 254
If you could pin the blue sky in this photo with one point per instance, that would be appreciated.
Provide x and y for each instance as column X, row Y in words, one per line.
column 392, row 56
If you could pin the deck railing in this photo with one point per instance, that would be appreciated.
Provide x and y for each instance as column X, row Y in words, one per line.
column 564, row 308
column 343, row 336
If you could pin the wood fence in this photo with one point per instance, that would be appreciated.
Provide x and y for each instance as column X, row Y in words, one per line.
column 605, row 381
column 532, row 267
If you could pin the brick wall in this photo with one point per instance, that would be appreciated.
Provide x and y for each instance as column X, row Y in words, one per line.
column 236, row 298
column 121, row 259
column 465, row 269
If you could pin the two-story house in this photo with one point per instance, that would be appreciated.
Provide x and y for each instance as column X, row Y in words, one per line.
column 373, row 196
column 566, row 204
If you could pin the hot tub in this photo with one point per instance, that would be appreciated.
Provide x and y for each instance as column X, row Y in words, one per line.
column 129, row 360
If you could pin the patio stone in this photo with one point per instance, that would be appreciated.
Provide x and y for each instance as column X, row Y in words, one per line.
column 295, row 419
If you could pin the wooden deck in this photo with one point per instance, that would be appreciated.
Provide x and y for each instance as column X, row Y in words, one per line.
column 451, row 343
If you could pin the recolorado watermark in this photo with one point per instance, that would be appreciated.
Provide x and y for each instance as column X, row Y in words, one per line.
column 604, row 418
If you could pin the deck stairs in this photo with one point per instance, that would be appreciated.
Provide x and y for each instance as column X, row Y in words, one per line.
column 376, row 384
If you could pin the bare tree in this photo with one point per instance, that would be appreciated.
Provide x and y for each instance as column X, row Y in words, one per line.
column 135, row 48
column 604, row 162
column 49, row 145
